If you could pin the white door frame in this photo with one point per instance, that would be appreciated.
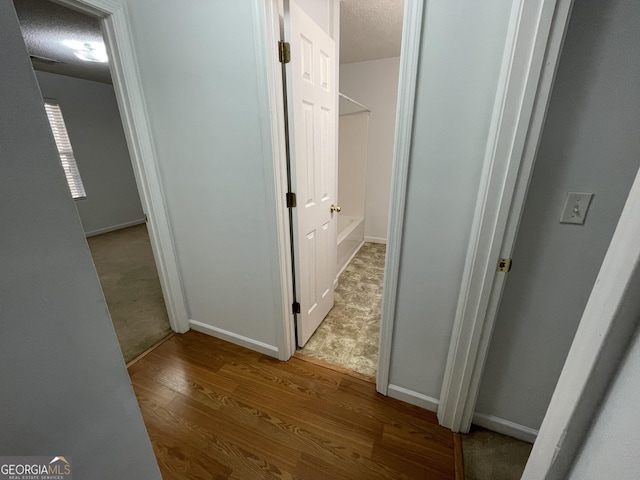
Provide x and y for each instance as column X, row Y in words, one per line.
column 534, row 42
column 266, row 19
column 407, row 78
column 133, row 112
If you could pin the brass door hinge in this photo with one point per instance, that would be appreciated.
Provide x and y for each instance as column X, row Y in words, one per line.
column 284, row 52
column 504, row 265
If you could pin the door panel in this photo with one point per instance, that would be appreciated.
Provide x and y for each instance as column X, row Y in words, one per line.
column 312, row 116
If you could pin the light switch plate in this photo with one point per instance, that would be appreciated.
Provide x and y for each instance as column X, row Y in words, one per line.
column 576, row 207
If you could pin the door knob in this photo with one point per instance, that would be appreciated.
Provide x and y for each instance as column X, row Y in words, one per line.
column 335, row 208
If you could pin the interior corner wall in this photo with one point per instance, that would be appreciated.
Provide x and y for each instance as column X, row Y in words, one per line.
column 65, row 389
column 93, row 122
column 459, row 65
column 610, row 449
column 215, row 164
column 375, row 84
column 589, row 144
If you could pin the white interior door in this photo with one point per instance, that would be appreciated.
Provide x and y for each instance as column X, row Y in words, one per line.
column 312, row 115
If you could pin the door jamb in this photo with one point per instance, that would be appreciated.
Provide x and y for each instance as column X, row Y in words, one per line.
column 271, row 89
column 408, row 76
column 534, row 42
column 117, row 35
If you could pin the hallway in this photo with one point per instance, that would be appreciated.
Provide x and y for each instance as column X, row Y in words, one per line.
column 217, row 410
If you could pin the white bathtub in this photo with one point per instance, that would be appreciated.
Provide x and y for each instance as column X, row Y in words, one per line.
column 350, row 239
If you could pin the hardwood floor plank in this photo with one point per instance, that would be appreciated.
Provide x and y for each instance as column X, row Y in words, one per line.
column 179, row 461
column 216, row 410
column 193, row 439
column 458, row 456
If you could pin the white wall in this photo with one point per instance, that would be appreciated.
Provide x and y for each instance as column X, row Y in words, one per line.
column 460, row 58
column 65, row 389
column 589, row 144
column 611, row 447
column 352, row 163
column 207, row 124
column 93, row 122
column 375, row 84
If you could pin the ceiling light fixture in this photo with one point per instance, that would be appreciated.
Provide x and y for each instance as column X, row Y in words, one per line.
column 88, row 51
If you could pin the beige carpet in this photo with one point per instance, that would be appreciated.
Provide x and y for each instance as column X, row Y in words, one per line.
column 491, row 456
column 129, row 279
column 348, row 337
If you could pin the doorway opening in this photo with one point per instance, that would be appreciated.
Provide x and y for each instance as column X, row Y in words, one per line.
column 369, row 61
column 70, row 64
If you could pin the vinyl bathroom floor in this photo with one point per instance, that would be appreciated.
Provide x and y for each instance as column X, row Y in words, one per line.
column 348, row 336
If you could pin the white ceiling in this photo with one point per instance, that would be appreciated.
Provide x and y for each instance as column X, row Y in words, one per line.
column 369, row 30
column 45, row 25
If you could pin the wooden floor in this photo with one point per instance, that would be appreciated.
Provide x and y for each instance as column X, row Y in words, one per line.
column 218, row 411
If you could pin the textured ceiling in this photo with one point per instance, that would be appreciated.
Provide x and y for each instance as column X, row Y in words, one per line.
column 46, row 25
column 370, row 29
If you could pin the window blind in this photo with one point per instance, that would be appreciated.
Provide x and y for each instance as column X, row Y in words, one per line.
column 65, row 151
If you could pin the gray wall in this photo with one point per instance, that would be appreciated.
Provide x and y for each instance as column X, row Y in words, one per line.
column 590, row 143
column 93, row 122
column 460, row 59
column 65, row 389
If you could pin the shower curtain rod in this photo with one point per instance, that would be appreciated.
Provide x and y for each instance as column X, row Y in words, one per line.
column 367, row 109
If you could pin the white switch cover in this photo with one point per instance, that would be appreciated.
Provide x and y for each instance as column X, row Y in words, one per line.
column 575, row 207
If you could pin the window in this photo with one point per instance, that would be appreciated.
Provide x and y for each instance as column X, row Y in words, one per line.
column 64, row 150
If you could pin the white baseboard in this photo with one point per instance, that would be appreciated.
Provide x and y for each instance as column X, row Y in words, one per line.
column 113, row 228
column 231, row 337
column 355, row 252
column 414, row 398
column 505, row 427
column 375, row 240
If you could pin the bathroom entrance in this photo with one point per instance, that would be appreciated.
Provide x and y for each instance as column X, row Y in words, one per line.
column 354, row 186
column 349, row 335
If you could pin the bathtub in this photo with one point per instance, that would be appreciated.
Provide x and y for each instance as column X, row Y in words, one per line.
column 350, row 239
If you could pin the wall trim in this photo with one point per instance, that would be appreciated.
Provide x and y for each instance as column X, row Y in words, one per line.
column 234, row 338
column 113, row 228
column 380, row 240
column 531, row 53
column 408, row 76
column 137, row 128
column 505, row 427
column 414, row 398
